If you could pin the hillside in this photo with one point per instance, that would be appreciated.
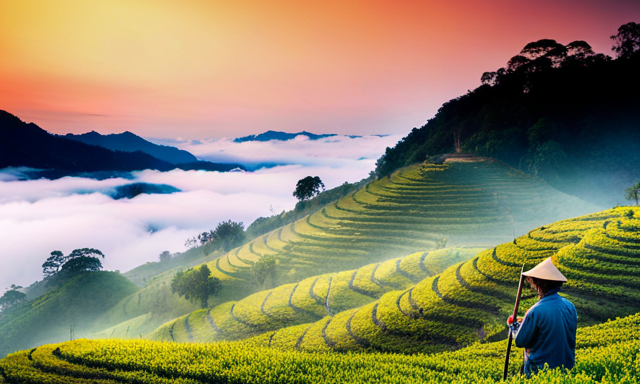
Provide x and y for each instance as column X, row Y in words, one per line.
column 571, row 119
column 309, row 300
column 605, row 353
column 77, row 303
column 417, row 208
column 469, row 301
column 475, row 203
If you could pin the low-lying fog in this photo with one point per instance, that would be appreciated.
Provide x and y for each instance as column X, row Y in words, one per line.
column 39, row 216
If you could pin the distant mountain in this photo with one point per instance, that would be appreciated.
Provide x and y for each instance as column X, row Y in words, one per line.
column 129, row 142
column 282, row 136
column 27, row 145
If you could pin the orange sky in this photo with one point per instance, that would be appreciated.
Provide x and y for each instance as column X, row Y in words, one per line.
column 206, row 68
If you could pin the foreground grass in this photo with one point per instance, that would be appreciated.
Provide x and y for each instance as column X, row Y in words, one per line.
column 606, row 353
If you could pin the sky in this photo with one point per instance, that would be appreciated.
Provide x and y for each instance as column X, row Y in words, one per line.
column 40, row 216
column 194, row 69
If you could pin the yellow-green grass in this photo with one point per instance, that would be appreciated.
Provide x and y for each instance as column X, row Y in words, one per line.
column 72, row 302
column 469, row 301
column 309, row 300
column 606, row 353
column 126, row 329
column 414, row 209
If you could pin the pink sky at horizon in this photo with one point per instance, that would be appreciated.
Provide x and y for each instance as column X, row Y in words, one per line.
column 197, row 69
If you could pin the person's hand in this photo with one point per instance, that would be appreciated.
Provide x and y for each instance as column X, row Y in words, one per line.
column 510, row 320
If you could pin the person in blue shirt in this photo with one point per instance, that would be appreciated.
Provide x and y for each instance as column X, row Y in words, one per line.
column 548, row 330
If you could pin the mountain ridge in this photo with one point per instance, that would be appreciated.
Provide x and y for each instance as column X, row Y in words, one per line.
column 130, row 142
column 51, row 156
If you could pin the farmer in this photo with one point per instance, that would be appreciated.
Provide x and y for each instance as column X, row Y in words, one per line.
column 548, row 330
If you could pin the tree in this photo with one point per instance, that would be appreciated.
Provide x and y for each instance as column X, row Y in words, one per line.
column 539, row 48
column 489, row 78
column 627, row 41
column 81, row 259
column 165, row 256
column 264, row 271
column 579, row 49
column 81, row 264
column 196, row 285
column 53, row 264
column 308, row 187
column 228, row 235
column 633, row 192
column 12, row 298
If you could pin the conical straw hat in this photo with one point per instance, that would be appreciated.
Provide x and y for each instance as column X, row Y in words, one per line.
column 545, row 271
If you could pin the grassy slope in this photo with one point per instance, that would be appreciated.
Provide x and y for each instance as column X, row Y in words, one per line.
column 309, row 300
column 599, row 254
column 466, row 203
column 47, row 319
column 478, row 203
column 144, row 274
column 605, row 353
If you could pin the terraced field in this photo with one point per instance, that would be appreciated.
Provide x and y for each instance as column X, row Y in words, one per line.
column 606, row 353
column 468, row 302
column 309, row 300
column 415, row 208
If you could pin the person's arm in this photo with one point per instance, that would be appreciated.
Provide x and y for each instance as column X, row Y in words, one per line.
column 526, row 331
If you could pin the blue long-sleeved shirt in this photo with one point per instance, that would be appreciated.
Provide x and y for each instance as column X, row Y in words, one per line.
column 548, row 333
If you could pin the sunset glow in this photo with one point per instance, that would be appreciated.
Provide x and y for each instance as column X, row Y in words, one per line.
column 198, row 69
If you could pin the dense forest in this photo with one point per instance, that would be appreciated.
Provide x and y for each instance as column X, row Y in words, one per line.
column 561, row 112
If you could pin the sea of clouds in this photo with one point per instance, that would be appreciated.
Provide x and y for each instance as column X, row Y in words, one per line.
column 39, row 216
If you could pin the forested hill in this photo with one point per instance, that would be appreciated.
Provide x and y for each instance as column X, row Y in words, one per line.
column 560, row 112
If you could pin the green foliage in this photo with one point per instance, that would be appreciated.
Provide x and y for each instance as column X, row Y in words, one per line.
column 227, row 235
column 11, row 298
column 196, row 285
column 308, row 187
column 468, row 301
column 263, row 225
column 308, row 300
column 633, row 192
column 264, row 271
column 81, row 264
column 79, row 260
column 557, row 111
column 80, row 300
column 53, row 264
column 165, row 256
column 605, row 353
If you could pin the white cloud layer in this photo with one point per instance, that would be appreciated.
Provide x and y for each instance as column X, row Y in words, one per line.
column 335, row 151
column 39, row 216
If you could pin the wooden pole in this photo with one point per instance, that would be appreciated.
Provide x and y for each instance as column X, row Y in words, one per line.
column 515, row 318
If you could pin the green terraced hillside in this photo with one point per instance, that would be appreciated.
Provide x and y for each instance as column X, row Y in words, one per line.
column 77, row 301
column 477, row 203
column 309, row 300
column 466, row 203
column 469, row 301
column 606, row 353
